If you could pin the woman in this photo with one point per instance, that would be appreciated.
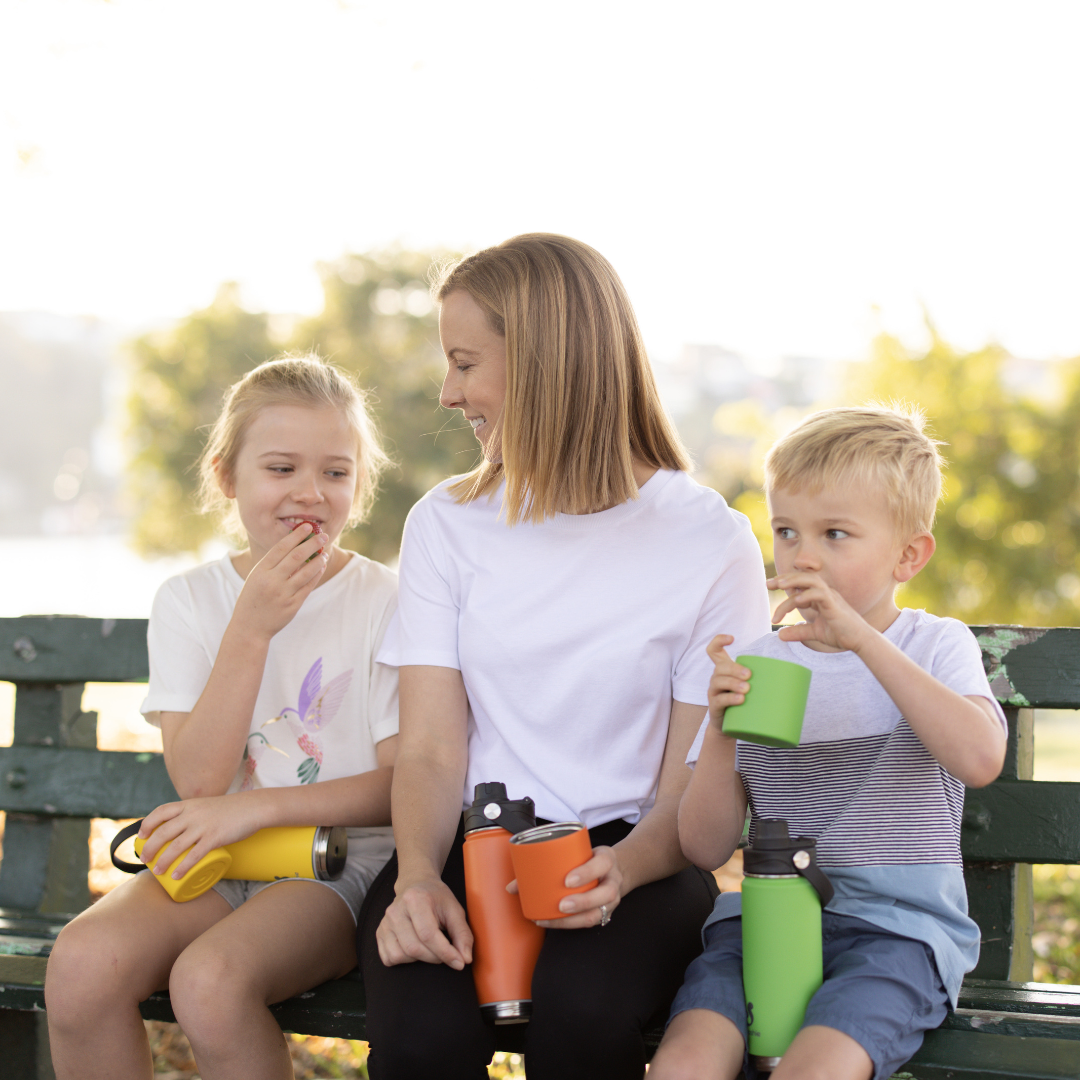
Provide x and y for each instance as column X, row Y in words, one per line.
column 555, row 605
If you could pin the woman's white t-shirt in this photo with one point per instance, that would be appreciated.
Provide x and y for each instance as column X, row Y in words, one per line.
column 324, row 702
column 574, row 635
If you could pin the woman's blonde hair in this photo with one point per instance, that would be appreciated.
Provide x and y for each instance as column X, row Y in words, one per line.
column 305, row 380
column 581, row 401
column 879, row 445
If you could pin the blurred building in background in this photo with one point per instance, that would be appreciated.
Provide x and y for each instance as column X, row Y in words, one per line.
column 61, row 423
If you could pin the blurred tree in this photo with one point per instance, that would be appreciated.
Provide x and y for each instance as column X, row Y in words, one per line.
column 1008, row 547
column 177, row 385
column 378, row 323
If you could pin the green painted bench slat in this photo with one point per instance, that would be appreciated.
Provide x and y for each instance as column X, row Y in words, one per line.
column 1031, row 821
column 67, row 649
column 76, row 782
column 52, row 781
column 1032, row 667
column 975, row 1055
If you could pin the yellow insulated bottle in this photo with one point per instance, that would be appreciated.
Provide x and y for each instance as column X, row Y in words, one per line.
column 315, row 852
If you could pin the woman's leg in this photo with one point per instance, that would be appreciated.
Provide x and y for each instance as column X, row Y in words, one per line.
column 114, row 955
column 423, row 1019
column 284, row 940
column 596, row 991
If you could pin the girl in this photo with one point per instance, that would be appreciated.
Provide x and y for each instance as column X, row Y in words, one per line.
column 272, row 712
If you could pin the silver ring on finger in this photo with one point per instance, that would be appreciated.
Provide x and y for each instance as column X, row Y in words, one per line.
column 605, row 915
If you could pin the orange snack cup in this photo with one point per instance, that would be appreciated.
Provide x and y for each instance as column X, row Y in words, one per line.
column 542, row 858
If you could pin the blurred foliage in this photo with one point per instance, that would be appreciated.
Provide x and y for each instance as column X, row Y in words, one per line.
column 1007, row 528
column 1008, row 545
column 178, row 382
column 377, row 323
column 1056, row 940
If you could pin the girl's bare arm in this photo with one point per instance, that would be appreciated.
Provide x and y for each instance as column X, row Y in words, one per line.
column 204, row 747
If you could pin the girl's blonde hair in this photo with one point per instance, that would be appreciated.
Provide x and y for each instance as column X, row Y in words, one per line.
column 305, row 380
column 581, row 401
column 883, row 446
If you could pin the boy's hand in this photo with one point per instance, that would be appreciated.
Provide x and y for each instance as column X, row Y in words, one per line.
column 282, row 580
column 830, row 619
column 728, row 685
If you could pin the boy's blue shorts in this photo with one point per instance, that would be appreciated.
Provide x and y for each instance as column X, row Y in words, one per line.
column 881, row 989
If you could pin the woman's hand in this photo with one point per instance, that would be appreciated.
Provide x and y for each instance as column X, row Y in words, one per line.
column 425, row 922
column 583, row 909
column 197, row 826
column 281, row 581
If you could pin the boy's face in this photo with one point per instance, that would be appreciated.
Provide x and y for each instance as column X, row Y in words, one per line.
column 847, row 535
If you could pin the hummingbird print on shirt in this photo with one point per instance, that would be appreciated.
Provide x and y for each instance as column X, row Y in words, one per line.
column 315, row 709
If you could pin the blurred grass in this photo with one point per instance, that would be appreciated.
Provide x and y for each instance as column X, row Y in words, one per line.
column 1056, row 940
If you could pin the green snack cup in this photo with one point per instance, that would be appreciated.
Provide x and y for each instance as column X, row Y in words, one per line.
column 772, row 713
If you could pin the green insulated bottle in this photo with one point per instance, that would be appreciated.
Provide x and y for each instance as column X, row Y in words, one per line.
column 782, row 896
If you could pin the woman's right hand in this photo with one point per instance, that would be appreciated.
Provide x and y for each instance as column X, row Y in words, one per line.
column 425, row 922
column 281, row 581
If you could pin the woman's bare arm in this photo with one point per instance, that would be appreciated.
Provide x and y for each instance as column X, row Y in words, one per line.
column 425, row 921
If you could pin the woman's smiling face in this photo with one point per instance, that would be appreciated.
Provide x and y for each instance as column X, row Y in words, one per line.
column 475, row 379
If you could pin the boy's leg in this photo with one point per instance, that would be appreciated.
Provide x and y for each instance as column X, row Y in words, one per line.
column 881, row 993
column 823, row 1053
column 706, row 1036
column 114, row 955
column 699, row 1045
column 282, row 941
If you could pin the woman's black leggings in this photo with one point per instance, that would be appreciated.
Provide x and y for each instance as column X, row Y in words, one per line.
column 595, row 991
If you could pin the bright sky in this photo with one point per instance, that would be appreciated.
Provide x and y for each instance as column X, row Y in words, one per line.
column 777, row 177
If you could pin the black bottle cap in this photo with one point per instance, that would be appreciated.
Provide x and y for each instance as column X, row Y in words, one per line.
column 777, row 853
column 491, row 807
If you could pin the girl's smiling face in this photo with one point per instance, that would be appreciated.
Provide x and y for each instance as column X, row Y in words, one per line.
column 475, row 379
column 296, row 464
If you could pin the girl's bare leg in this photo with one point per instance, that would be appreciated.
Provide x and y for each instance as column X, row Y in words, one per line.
column 699, row 1044
column 114, row 955
column 283, row 941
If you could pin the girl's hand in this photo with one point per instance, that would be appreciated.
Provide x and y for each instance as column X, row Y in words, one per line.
column 729, row 683
column 281, row 581
column 425, row 922
column 830, row 619
column 583, row 909
column 196, row 826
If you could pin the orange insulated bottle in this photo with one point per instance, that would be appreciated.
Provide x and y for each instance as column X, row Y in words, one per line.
column 506, row 944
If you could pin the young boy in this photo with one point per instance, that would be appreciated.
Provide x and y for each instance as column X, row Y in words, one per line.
column 900, row 718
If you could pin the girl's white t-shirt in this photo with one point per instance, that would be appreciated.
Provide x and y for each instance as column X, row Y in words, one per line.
column 324, row 702
column 574, row 635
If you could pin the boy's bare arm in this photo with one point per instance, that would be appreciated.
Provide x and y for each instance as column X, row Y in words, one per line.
column 963, row 733
column 713, row 806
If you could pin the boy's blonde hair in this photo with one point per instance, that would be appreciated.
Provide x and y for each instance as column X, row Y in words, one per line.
column 880, row 445
column 581, row 401
column 305, row 380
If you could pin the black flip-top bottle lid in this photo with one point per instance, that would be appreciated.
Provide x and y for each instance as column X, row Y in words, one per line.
column 777, row 853
column 492, row 808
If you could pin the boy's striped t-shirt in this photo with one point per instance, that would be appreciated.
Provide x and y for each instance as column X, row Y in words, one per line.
column 885, row 815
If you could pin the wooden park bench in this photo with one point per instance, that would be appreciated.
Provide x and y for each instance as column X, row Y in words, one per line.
column 53, row 780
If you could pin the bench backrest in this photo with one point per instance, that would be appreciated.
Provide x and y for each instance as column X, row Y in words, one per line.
column 53, row 780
